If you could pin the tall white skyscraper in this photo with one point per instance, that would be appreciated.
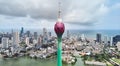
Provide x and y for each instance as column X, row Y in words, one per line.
column 111, row 41
column 106, row 40
column 27, row 40
column 16, row 39
column 5, row 42
column 83, row 37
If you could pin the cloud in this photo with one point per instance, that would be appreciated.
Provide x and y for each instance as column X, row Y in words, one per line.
column 116, row 6
column 80, row 12
column 43, row 9
column 86, row 12
column 81, row 23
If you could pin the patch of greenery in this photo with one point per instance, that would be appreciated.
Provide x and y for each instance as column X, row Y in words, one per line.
column 96, row 57
column 116, row 60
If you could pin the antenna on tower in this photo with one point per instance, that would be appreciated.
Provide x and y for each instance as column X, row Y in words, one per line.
column 59, row 11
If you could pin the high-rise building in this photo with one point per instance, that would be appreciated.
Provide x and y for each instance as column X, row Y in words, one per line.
column 111, row 41
column 49, row 36
column 98, row 38
column 28, row 33
column 45, row 36
column 40, row 40
column 5, row 42
column 16, row 39
column 44, row 31
column 22, row 32
column 35, row 35
column 27, row 40
column 116, row 39
column 83, row 37
column 105, row 40
column 68, row 34
column 31, row 40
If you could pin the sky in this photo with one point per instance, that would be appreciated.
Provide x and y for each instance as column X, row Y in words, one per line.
column 76, row 14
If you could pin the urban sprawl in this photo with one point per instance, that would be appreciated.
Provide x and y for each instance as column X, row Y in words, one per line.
column 101, row 51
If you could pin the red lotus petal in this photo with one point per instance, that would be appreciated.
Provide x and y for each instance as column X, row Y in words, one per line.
column 59, row 28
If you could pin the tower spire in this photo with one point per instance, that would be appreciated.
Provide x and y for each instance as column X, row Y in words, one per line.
column 59, row 11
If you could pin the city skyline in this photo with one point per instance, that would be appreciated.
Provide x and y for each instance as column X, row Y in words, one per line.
column 81, row 14
column 87, row 32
